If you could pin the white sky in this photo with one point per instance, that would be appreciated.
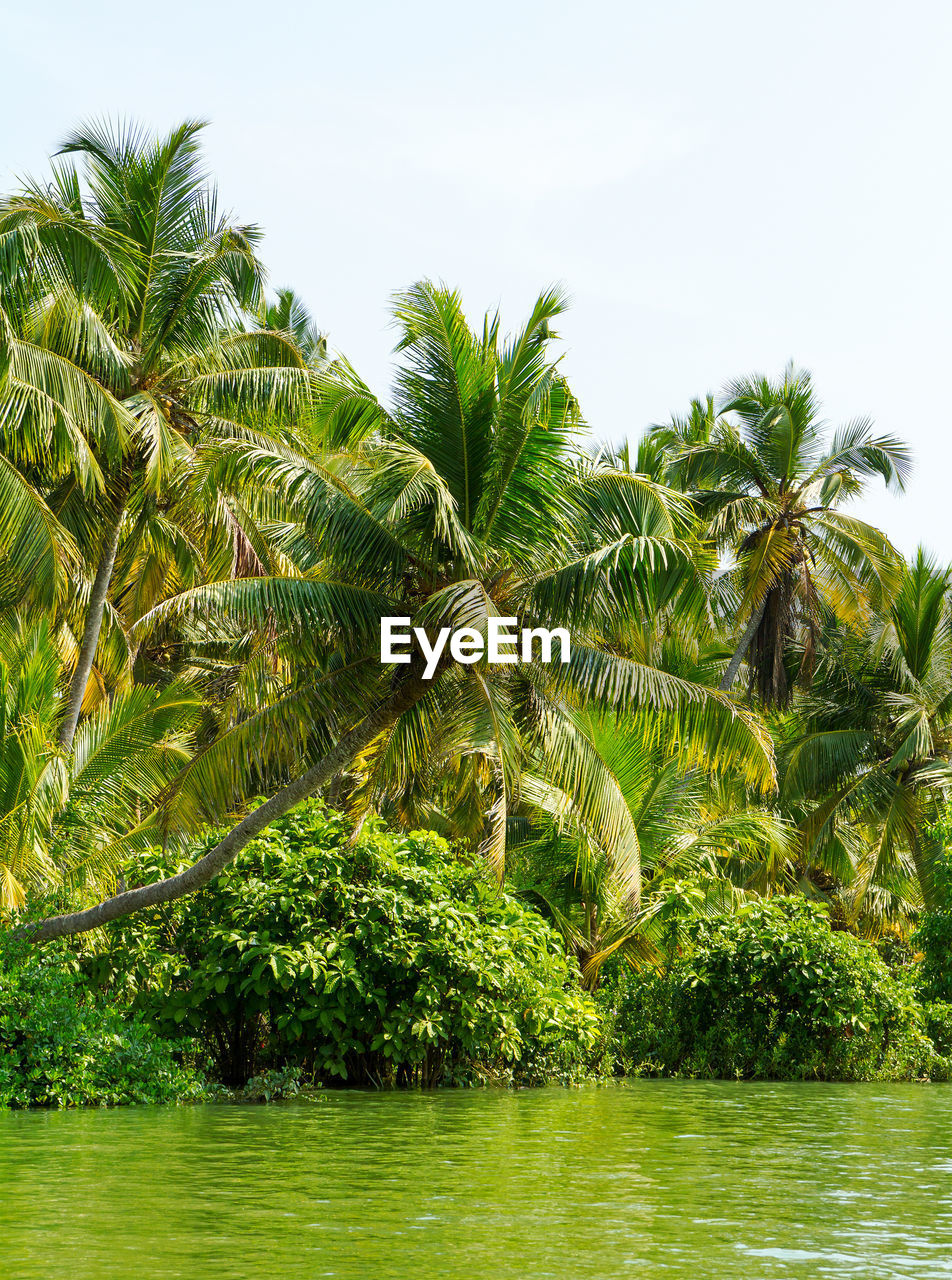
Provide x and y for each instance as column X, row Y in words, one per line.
column 720, row 186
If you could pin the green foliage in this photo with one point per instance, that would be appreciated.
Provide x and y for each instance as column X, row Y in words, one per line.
column 773, row 993
column 934, row 936
column 60, row 1047
column 768, row 487
column 274, row 1085
column 475, row 498
column 382, row 961
column 937, row 1016
column 866, row 769
column 64, row 817
column 203, row 520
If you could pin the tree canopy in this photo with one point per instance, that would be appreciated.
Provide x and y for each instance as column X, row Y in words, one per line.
column 205, row 515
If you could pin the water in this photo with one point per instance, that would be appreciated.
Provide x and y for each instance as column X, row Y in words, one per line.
column 659, row 1179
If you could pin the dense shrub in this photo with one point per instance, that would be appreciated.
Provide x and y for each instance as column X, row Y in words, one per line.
column 61, row 1047
column 937, row 1018
column 772, row 993
column 934, row 936
column 384, row 962
column 934, row 939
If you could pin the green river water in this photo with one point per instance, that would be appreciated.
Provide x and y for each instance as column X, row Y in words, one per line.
column 667, row 1179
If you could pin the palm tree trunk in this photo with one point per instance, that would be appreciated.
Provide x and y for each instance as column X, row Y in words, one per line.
column 206, row 868
column 730, row 675
column 87, row 650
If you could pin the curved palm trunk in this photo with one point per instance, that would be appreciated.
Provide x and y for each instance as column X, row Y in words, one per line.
column 730, row 675
column 87, row 650
column 206, row 868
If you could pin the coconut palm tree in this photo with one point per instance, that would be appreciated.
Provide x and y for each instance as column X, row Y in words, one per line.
column 769, row 492
column 67, row 820
column 700, row 836
column 128, row 343
column 469, row 499
column 871, row 770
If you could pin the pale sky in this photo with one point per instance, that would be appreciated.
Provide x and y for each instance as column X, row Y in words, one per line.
column 721, row 187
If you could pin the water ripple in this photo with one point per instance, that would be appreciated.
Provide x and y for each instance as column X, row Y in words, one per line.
column 677, row 1179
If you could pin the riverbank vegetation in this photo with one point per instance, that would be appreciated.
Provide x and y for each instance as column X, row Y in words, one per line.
column 712, row 842
column 383, row 961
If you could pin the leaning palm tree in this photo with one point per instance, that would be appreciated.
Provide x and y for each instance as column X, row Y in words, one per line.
column 128, row 342
column 469, row 499
column 769, row 492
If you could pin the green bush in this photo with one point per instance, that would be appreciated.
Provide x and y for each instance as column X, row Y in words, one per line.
column 937, row 1015
column 934, row 936
column 772, row 993
column 382, row 962
column 60, row 1047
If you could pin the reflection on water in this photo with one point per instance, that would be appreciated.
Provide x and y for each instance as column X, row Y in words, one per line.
column 652, row 1178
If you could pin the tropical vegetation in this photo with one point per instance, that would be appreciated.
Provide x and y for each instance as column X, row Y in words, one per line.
column 379, row 961
column 773, row 993
column 276, row 852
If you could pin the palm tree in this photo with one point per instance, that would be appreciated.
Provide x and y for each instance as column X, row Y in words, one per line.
column 700, row 840
column 470, row 499
column 769, row 493
column 66, row 820
column 128, row 345
column 872, row 769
